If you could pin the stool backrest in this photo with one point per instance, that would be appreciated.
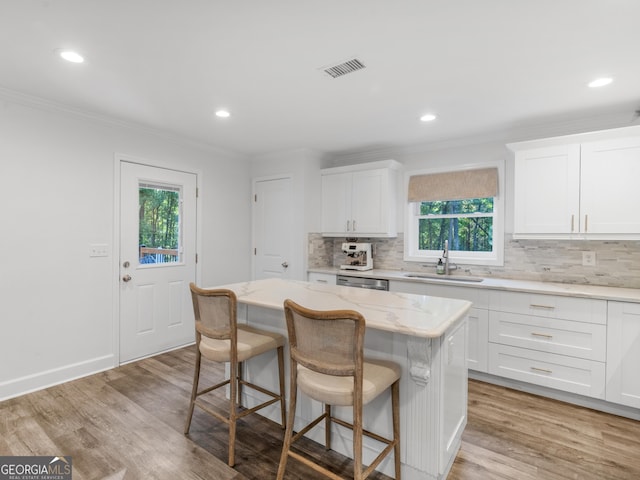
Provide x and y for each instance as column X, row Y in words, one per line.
column 326, row 341
column 215, row 312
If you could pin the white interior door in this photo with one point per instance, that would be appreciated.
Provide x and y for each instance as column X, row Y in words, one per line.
column 273, row 228
column 157, row 259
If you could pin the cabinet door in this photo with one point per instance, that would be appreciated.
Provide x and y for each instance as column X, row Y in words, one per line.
column 547, row 190
column 478, row 339
column 623, row 353
column 336, row 202
column 609, row 193
column 369, row 202
column 454, row 391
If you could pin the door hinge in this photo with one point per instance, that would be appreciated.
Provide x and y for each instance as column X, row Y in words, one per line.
column 255, row 197
column 197, row 192
column 196, row 258
column 255, row 251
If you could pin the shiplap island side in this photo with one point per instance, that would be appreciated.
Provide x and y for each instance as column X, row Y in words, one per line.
column 426, row 335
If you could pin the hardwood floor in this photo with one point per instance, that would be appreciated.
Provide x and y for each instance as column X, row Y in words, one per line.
column 127, row 424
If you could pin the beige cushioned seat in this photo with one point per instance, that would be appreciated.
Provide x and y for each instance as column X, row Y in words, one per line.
column 378, row 375
column 250, row 342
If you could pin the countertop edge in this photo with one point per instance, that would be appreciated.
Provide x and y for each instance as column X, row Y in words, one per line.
column 489, row 283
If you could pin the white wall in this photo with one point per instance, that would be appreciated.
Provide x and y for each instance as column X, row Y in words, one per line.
column 57, row 313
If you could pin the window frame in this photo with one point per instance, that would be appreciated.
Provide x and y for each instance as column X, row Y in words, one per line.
column 412, row 216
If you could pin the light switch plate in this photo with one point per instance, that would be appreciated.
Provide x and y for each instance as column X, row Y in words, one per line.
column 588, row 259
column 98, row 250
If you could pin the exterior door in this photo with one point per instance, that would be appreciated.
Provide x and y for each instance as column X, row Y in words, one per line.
column 157, row 259
column 273, row 228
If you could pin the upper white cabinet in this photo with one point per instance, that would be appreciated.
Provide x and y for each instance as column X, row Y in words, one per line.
column 582, row 188
column 360, row 200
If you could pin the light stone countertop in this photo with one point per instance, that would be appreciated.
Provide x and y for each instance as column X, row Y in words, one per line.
column 415, row 315
column 564, row 289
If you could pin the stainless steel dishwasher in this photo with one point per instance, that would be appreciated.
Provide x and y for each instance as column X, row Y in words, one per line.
column 363, row 282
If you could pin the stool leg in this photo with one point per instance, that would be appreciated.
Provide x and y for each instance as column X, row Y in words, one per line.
column 232, row 411
column 357, row 440
column 283, row 403
column 327, row 426
column 194, row 390
column 288, row 434
column 395, row 407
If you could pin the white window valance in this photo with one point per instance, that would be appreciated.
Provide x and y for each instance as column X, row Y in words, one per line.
column 457, row 185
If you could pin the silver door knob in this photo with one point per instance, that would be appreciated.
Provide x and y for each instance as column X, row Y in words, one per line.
column 126, row 278
column 285, row 264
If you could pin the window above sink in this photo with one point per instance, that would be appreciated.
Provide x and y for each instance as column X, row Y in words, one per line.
column 464, row 207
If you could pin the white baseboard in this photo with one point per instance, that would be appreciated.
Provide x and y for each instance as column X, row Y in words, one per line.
column 31, row 383
column 588, row 402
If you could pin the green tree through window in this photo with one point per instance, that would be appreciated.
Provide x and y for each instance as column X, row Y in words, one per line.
column 467, row 224
column 159, row 220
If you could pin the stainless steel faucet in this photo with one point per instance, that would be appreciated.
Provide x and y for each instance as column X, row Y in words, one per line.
column 445, row 254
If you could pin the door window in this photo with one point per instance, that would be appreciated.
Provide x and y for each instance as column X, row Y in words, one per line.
column 159, row 231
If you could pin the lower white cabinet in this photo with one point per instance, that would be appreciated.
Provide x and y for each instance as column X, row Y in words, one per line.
column 549, row 340
column 570, row 374
column 623, row 354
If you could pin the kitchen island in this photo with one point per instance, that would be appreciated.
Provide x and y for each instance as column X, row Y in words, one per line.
column 426, row 335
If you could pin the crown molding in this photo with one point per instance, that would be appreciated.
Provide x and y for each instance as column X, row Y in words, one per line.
column 9, row 95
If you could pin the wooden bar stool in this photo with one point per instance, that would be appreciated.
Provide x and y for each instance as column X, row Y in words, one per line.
column 219, row 338
column 327, row 364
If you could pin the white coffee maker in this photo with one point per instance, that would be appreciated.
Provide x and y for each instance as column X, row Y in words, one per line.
column 358, row 256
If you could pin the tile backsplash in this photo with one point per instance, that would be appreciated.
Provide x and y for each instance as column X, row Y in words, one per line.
column 617, row 261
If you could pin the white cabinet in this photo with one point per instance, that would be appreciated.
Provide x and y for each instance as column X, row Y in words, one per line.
column 454, row 392
column 478, row 317
column 323, row 278
column 547, row 190
column 360, row 201
column 578, row 190
column 623, row 354
column 549, row 340
column 609, row 193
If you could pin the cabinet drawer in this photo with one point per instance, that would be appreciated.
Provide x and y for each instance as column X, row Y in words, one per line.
column 575, row 375
column 563, row 337
column 317, row 277
column 550, row 306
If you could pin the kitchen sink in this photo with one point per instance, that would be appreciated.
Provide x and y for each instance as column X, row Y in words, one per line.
column 457, row 278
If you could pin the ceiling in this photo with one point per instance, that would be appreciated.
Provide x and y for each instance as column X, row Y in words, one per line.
column 481, row 66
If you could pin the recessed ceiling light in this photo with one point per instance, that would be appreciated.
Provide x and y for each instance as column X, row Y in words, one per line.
column 71, row 56
column 428, row 117
column 222, row 113
column 600, row 82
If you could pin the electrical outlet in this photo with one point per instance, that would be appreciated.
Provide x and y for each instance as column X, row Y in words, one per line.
column 589, row 259
column 98, row 250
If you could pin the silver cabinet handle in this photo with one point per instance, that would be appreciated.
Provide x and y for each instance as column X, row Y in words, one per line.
column 537, row 305
column 126, row 278
column 354, row 225
column 285, row 264
column 348, row 223
column 544, row 335
column 586, row 223
column 572, row 222
column 542, row 370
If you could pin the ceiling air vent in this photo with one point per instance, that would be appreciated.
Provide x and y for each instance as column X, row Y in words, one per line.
column 340, row 69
